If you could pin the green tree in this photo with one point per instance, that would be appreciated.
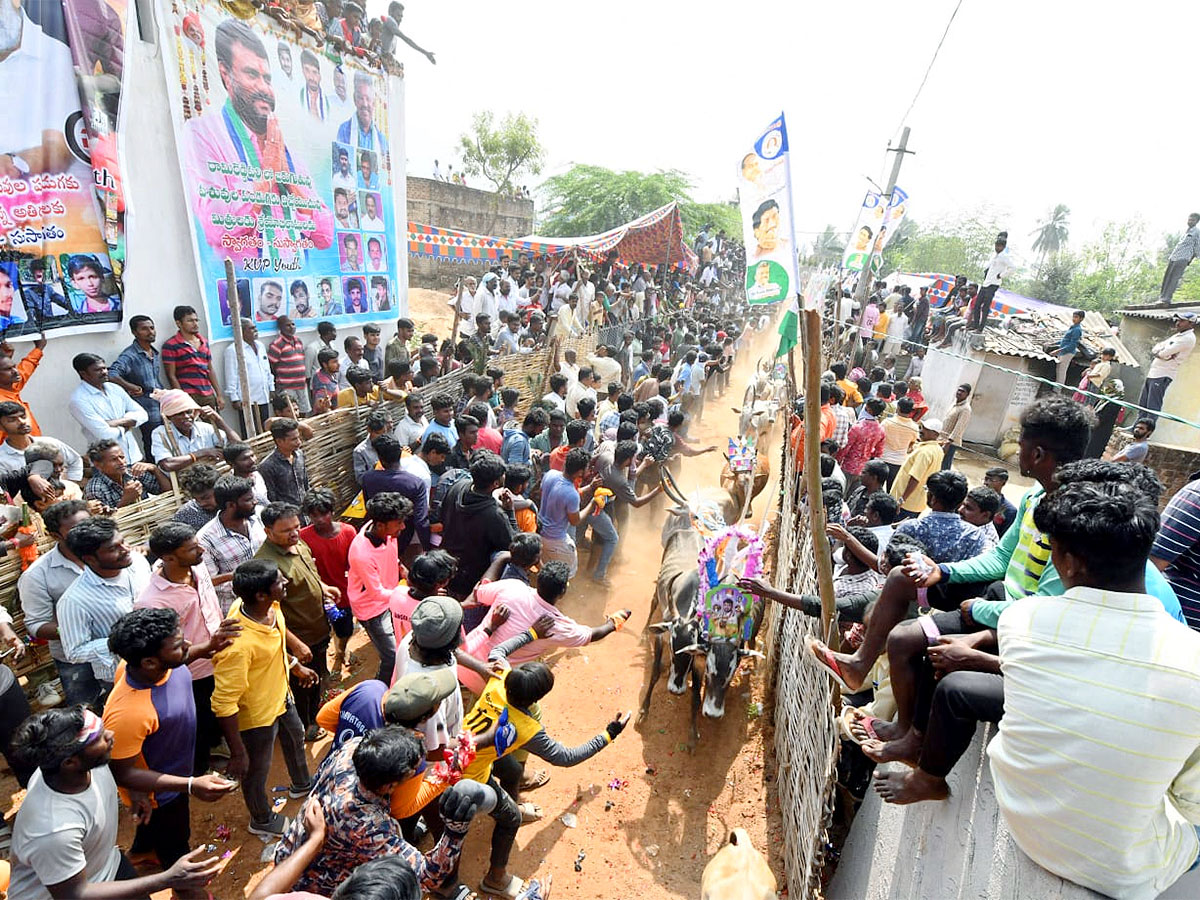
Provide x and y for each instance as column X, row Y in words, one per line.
column 592, row 199
column 1051, row 235
column 961, row 245
column 1117, row 269
column 501, row 151
column 828, row 248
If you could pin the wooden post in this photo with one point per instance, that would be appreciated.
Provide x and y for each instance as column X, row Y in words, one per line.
column 249, row 408
column 811, row 319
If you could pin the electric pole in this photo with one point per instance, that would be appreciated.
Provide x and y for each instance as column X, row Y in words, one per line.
column 866, row 277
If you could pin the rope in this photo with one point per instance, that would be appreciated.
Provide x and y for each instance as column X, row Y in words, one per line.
column 929, row 68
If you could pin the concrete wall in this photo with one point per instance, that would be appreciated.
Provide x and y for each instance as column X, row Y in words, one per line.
column 997, row 398
column 161, row 269
column 465, row 209
column 1183, row 396
column 956, row 849
column 1173, row 465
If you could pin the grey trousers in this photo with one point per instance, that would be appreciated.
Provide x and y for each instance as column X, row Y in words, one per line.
column 1171, row 278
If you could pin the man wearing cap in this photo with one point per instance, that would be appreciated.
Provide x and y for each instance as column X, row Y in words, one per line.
column 923, row 460
column 429, row 648
column 999, row 266
column 1166, row 357
column 180, row 440
column 1181, row 257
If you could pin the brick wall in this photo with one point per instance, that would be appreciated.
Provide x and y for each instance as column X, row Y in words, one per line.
column 464, row 209
column 1173, row 465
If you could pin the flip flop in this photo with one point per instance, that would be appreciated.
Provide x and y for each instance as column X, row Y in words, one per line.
column 535, row 780
column 530, row 812
column 509, row 891
column 850, row 717
column 828, row 662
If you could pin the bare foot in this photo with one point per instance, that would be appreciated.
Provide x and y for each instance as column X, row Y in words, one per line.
column 910, row 787
column 884, row 731
column 906, row 749
column 845, row 669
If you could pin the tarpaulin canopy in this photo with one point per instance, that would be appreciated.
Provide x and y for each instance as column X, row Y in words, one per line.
column 653, row 239
column 1005, row 303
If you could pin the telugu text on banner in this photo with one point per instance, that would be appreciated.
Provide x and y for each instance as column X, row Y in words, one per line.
column 765, row 188
column 287, row 171
column 55, row 270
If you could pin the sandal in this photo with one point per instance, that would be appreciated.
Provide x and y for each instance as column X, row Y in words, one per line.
column 534, row 780
column 509, row 891
column 458, row 892
column 853, row 716
column 828, row 662
column 530, row 812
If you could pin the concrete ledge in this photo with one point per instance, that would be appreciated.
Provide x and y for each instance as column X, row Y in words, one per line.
column 959, row 849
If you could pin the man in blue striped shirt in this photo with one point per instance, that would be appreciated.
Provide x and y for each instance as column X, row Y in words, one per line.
column 113, row 577
column 1176, row 549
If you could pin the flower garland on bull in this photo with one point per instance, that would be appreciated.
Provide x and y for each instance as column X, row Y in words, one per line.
column 725, row 610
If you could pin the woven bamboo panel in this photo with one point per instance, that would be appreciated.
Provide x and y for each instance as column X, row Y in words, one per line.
column 806, row 743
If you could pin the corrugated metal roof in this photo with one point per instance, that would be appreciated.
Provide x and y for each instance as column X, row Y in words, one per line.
column 1160, row 312
column 1031, row 332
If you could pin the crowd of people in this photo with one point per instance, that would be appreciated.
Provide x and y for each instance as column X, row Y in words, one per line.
column 956, row 606
column 182, row 663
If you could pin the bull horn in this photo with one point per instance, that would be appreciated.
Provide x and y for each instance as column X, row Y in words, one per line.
column 690, row 648
column 660, row 627
column 668, row 485
column 754, row 653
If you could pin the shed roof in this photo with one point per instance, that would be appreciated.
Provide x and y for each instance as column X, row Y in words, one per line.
column 1162, row 313
column 1026, row 335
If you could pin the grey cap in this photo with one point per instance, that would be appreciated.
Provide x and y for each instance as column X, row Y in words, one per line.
column 436, row 621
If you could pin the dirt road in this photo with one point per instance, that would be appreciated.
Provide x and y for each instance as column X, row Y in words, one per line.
column 648, row 815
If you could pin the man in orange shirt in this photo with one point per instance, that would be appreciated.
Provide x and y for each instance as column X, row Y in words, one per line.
column 577, row 432
column 828, row 426
column 14, row 376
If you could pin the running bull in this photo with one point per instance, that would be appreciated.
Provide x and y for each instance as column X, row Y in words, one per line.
column 676, row 590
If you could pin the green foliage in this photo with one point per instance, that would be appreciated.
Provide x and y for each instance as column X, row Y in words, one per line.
column 1051, row 235
column 592, row 199
column 958, row 246
column 500, row 152
column 828, row 248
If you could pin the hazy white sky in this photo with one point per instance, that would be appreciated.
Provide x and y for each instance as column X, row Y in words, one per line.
column 1031, row 102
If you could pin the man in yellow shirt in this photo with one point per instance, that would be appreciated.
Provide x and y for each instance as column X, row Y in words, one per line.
column 251, row 698
column 923, row 460
column 853, row 396
column 362, row 391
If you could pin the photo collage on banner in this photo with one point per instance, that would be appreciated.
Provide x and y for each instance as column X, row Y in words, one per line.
column 287, row 171
column 765, row 187
column 56, row 272
column 873, row 229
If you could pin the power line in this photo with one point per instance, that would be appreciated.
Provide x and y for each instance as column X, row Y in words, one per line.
column 929, row 68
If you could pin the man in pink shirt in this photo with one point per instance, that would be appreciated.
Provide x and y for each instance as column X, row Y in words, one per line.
column 244, row 132
column 375, row 574
column 180, row 582
column 525, row 606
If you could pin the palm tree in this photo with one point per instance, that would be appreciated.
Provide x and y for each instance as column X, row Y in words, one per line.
column 1051, row 235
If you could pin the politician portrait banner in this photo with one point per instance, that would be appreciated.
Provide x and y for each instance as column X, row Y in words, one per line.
column 878, row 219
column 287, row 171
column 765, row 187
column 56, row 273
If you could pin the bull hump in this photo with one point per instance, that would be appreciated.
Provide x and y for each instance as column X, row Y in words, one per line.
column 738, row 872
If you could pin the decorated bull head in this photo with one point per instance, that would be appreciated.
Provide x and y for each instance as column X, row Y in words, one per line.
column 721, row 661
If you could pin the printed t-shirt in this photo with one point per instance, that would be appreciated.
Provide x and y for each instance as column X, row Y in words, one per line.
column 402, row 605
column 154, row 723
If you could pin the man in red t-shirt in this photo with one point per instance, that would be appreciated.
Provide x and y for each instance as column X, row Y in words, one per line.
column 330, row 541
column 577, row 431
column 187, row 361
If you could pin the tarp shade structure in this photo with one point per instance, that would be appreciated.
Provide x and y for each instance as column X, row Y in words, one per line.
column 645, row 240
column 1005, row 303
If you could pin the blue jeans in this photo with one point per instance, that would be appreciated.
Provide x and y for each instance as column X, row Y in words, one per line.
column 604, row 533
column 79, row 682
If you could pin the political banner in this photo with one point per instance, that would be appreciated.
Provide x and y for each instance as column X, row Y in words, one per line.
column 765, row 189
column 55, row 270
column 877, row 221
column 98, row 33
column 287, row 171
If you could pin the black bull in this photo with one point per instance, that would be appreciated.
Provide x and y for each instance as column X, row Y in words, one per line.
column 676, row 590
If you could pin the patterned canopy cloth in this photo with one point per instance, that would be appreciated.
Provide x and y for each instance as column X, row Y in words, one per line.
column 653, row 239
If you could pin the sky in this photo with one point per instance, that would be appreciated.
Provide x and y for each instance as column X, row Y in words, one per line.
column 1029, row 104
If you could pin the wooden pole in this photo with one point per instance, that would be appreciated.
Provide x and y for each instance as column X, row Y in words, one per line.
column 249, row 410
column 811, row 319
